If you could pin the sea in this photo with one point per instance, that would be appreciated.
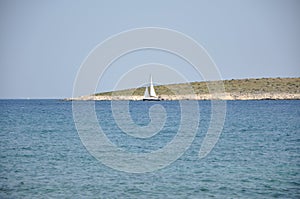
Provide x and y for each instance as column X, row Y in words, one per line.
column 257, row 154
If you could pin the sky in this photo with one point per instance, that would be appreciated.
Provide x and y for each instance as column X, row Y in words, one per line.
column 43, row 43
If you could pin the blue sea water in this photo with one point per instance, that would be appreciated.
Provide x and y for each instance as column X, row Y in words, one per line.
column 257, row 155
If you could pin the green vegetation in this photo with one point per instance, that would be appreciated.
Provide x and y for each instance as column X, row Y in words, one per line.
column 242, row 86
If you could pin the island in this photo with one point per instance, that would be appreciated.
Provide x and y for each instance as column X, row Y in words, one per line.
column 235, row 89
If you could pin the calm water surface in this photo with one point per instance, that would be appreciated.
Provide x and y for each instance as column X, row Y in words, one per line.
column 257, row 155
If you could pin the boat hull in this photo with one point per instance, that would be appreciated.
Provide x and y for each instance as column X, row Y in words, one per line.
column 151, row 99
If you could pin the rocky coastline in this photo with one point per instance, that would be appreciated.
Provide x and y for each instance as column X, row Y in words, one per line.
column 223, row 96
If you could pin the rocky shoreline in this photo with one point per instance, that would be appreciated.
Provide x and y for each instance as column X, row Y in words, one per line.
column 223, row 96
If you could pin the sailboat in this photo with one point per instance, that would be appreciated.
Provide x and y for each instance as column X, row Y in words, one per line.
column 150, row 96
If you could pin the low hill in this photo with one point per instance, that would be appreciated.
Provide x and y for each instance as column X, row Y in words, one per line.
column 243, row 86
column 238, row 89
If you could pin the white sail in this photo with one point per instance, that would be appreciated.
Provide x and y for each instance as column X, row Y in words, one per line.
column 152, row 91
column 150, row 96
column 146, row 94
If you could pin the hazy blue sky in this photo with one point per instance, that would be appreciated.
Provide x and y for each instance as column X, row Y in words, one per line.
column 43, row 43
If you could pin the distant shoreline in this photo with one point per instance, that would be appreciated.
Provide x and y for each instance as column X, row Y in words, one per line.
column 241, row 89
column 227, row 96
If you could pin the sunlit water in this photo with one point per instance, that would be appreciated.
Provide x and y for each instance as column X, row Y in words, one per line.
column 257, row 155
